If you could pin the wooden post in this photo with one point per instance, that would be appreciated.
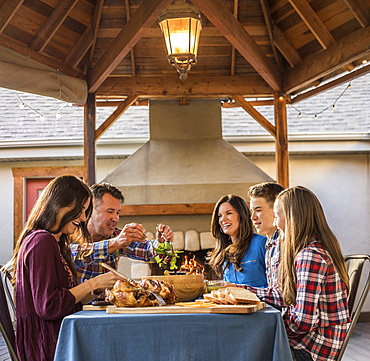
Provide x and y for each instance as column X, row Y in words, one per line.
column 89, row 139
column 281, row 140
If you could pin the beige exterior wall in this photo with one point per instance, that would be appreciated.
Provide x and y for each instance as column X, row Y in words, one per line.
column 341, row 182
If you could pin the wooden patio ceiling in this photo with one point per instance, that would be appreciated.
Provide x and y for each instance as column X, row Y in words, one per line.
column 248, row 49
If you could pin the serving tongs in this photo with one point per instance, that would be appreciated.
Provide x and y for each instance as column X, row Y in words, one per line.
column 121, row 275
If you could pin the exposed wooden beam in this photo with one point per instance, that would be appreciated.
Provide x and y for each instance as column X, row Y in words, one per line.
column 281, row 141
column 254, row 103
column 96, row 23
column 359, row 10
column 52, row 24
column 181, row 209
column 349, row 49
column 210, row 87
column 89, row 140
column 233, row 51
column 255, row 114
column 332, row 84
column 116, row 103
column 115, row 115
column 285, row 47
column 131, row 33
column 43, row 59
column 132, row 52
column 7, row 11
column 225, row 22
column 145, row 103
column 81, row 48
column 269, row 24
column 313, row 22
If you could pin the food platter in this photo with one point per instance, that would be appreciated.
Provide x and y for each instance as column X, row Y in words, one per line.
column 188, row 309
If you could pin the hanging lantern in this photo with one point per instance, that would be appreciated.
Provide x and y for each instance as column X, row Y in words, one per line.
column 181, row 26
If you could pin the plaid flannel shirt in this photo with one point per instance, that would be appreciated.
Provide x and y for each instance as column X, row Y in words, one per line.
column 272, row 259
column 88, row 260
column 318, row 320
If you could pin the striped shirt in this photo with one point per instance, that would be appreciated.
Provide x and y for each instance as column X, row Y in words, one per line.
column 272, row 259
column 318, row 320
column 88, row 260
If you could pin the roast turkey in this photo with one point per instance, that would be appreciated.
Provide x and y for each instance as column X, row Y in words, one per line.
column 128, row 293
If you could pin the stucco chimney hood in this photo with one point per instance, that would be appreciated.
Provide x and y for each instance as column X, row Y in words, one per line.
column 186, row 160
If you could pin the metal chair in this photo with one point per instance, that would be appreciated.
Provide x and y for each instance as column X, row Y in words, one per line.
column 359, row 279
column 6, row 325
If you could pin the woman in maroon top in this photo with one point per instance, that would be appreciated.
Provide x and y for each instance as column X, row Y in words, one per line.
column 46, row 291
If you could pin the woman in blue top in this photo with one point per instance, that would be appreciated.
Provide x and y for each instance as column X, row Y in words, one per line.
column 239, row 255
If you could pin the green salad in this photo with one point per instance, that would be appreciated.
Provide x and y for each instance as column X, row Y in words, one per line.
column 166, row 255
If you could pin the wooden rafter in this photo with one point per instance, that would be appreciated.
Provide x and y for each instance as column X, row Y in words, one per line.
column 81, row 48
column 52, row 24
column 225, row 22
column 269, row 25
column 130, row 34
column 351, row 48
column 132, row 52
column 255, row 114
column 96, row 23
column 217, row 86
column 313, row 22
column 34, row 55
column 286, row 49
column 233, row 51
column 360, row 11
column 332, row 84
column 7, row 11
column 122, row 107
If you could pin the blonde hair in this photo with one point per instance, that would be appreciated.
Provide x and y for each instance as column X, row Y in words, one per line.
column 304, row 220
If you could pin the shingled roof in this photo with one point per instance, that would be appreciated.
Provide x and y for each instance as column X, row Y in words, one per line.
column 351, row 115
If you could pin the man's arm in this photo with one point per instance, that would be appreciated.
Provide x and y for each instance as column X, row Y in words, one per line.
column 85, row 254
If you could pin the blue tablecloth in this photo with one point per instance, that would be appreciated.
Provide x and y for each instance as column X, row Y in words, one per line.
column 96, row 335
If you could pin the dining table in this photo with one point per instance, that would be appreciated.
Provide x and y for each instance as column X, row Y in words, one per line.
column 97, row 335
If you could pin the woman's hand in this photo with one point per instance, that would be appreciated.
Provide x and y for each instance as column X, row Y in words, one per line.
column 103, row 281
column 85, row 291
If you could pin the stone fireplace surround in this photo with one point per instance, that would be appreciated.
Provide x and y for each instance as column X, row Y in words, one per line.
column 190, row 240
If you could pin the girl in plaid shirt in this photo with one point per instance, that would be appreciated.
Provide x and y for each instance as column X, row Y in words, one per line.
column 313, row 279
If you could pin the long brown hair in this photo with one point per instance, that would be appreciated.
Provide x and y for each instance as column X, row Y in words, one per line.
column 225, row 249
column 304, row 221
column 61, row 192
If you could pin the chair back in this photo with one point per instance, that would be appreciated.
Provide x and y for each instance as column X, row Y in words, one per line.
column 6, row 325
column 359, row 280
column 355, row 265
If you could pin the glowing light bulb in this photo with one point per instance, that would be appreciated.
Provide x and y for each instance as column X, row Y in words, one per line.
column 57, row 115
column 21, row 106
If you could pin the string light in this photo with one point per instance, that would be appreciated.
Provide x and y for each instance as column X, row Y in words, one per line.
column 58, row 115
column 315, row 115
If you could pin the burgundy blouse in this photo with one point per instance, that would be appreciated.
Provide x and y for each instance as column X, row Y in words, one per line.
column 42, row 296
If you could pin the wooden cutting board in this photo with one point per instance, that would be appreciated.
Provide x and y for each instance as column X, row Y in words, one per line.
column 181, row 309
column 95, row 308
